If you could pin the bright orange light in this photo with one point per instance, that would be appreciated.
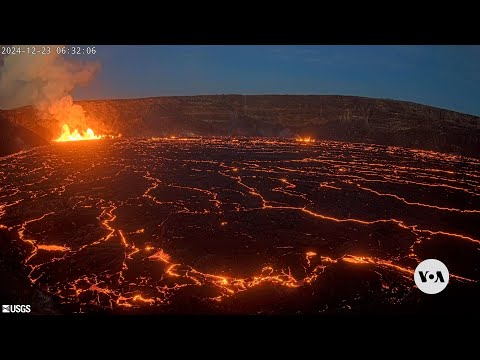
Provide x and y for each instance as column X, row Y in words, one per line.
column 142, row 299
column 75, row 135
column 328, row 260
column 160, row 256
column 307, row 139
column 308, row 255
column 53, row 248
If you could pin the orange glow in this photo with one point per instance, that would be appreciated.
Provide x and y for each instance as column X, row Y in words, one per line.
column 328, row 260
column 122, row 238
column 160, row 255
column 53, row 248
column 416, row 203
column 309, row 255
column 307, row 139
column 142, row 299
column 375, row 261
column 326, row 185
column 287, row 192
column 75, row 135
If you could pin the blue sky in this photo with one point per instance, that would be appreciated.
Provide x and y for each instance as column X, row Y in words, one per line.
column 442, row 76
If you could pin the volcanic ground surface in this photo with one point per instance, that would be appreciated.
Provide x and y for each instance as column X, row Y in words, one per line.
column 234, row 225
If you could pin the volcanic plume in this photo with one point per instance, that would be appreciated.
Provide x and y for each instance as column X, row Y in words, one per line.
column 46, row 82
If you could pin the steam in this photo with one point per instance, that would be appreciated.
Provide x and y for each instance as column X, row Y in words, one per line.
column 45, row 81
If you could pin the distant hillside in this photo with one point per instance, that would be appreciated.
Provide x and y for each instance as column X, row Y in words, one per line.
column 344, row 118
column 14, row 137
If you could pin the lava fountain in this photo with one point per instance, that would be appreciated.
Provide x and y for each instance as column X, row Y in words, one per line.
column 75, row 135
column 307, row 139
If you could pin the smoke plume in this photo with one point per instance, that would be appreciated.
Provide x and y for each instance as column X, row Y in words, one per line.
column 45, row 81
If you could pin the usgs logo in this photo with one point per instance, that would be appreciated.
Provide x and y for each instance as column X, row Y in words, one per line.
column 15, row 308
column 431, row 276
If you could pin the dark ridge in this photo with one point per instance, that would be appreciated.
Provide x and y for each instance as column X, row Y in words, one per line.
column 14, row 137
column 329, row 117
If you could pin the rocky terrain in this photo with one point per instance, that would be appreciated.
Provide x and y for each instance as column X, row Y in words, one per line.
column 14, row 137
column 236, row 226
column 343, row 118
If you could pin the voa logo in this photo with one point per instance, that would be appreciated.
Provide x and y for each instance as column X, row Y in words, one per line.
column 431, row 276
column 15, row 308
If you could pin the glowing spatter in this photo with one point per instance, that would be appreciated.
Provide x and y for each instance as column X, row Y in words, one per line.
column 75, row 135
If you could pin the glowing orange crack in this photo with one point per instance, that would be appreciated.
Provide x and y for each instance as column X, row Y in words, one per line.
column 229, row 285
column 385, row 263
column 53, row 248
column 364, row 222
column 416, row 203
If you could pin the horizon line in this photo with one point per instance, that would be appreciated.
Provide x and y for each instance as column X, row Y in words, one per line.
column 265, row 94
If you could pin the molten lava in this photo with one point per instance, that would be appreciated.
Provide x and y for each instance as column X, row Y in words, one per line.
column 307, row 139
column 317, row 227
column 75, row 135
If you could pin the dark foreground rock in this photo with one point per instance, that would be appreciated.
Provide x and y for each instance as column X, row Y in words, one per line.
column 236, row 226
column 16, row 289
column 14, row 137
